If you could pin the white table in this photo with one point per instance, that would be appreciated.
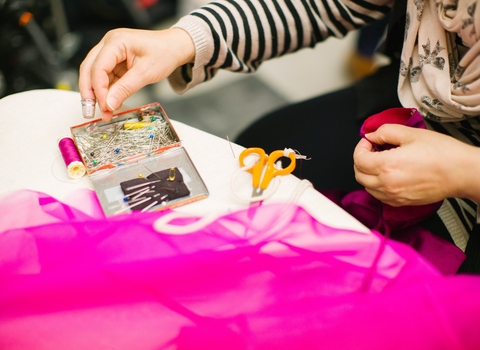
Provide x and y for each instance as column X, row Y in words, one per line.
column 33, row 121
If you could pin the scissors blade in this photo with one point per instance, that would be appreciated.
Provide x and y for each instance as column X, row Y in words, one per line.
column 257, row 191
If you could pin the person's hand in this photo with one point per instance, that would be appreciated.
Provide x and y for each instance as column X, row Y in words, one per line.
column 126, row 60
column 426, row 167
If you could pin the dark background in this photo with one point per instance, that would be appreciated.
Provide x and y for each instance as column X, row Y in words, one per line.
column 46, row 51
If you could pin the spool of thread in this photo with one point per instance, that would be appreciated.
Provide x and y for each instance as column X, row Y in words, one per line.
column 135, row 125
column 71, row 157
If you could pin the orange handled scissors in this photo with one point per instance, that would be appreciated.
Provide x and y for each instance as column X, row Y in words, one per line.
column 270, row 170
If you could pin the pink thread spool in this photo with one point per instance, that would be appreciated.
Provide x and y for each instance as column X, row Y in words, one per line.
column 71, row 157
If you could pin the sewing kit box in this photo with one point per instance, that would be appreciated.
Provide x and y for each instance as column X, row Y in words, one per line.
column 136, row 161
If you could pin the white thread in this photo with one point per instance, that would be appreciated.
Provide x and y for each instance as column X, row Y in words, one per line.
column 285, row 216
column 163, row 224
column 299, row 189
column 298, row 155
column 76, row 169
column 273, row 185
column 231, row 148
column 52, row 169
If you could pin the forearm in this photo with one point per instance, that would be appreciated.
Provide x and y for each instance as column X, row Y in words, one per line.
column 467, row 174
column 239, row 35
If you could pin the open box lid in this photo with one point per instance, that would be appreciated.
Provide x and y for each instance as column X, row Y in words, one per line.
column 136, row 162
column 136, row 133
column 187, row 183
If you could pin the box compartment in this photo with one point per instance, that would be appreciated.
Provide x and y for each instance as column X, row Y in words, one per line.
column 139, row 145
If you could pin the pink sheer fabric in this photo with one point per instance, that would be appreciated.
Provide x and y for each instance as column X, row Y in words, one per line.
column 271, row 277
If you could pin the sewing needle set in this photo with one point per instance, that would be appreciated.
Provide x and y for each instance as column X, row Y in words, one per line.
column 157, row 189
column 117, row 154
column 119, row 141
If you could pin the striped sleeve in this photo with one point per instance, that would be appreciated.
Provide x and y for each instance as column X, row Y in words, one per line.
column 238, row 35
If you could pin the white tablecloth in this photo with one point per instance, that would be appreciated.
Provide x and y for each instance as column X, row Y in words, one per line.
column 33, row 121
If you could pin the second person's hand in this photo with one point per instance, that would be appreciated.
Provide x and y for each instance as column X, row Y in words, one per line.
column 126, row 60
column 424, row 168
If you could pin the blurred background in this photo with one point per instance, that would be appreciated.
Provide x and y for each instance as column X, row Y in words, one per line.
column 43, row 42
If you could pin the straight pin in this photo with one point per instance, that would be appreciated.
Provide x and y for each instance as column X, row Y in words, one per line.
column 149, row 206
column 138, row 191
column 141, row 185
column 132, row 206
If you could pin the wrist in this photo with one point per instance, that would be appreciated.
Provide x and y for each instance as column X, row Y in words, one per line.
column 185, row 47
column 469, row 185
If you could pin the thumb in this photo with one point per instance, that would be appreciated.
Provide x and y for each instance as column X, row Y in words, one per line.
column 123, row 88
column 391, row 134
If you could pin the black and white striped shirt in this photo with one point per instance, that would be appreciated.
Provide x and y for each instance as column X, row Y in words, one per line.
column 238, row 35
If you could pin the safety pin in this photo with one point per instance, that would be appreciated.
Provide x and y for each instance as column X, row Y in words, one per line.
column 171, row 174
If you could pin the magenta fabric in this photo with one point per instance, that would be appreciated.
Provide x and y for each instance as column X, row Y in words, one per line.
column 400, row 223
column 395, row 218
column 271, row 277
column 403, row 116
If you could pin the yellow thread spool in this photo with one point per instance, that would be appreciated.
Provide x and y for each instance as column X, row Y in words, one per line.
column 135, row 125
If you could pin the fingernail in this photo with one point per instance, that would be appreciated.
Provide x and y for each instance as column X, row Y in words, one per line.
column 112, row 103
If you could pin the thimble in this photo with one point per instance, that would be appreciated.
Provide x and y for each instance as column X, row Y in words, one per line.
column 88, row 108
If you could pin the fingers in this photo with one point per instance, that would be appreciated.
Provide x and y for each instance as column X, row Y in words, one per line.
column 124, row 87
column 84, row 81
column 364, row 157
column 102, row 67
column 366, row 180
column 392, row 134
column 86, row 90
column 369, row 162
column 363, row 146
column 126, row 60
column 93, row 81
column 104, row 72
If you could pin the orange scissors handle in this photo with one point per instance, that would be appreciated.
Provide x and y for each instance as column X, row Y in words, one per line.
column 271, row 171
column 257, row 169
